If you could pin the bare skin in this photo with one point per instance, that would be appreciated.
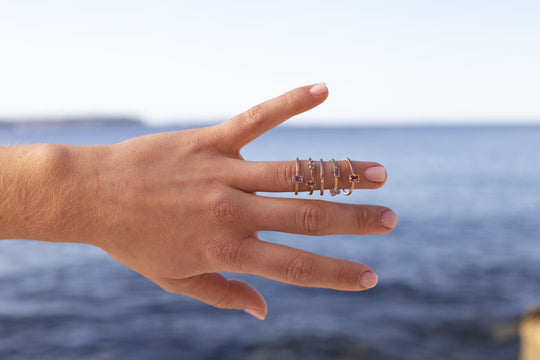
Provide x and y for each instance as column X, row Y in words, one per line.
column 180, row 207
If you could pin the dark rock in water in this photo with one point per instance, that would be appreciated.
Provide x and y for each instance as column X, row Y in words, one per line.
column 303, row 346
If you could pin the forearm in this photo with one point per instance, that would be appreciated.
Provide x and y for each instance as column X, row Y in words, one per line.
column 37, row 192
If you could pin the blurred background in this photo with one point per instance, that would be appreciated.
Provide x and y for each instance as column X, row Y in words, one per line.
column 444, row 94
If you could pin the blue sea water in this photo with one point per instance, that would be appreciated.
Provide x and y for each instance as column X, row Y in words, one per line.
column 461, row 267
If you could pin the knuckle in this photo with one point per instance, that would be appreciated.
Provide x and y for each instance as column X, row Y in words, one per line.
column 340, row 276
column 289, row 100
column 300, row 270
column 284, row 174
column 311, row 219
column 227, row 300
column 362, row 218
column 255, row 115
column 225, row 253
column 223, row 210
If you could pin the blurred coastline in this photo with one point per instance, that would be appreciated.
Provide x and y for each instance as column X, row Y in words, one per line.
column 127, row 120
column 74, row 121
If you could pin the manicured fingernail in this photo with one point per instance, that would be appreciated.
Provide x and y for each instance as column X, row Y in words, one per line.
column 318, row 89
column 375, row 174
column 389, row 219
column 368, row 279
column 255, row 313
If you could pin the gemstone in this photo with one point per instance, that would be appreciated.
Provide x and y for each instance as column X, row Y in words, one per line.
column 312, row 165
column 336, row 172
column 354, row 178
column 334, row 192
column 311, row 183
column 297, row 179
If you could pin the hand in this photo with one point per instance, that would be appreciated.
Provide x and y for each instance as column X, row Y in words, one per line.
column 181, row 207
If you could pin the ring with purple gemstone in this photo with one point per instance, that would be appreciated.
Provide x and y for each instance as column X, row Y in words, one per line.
column 297, row 179
column 321, row 172
column 353, row 178
column 335, row 191
column 311, row 182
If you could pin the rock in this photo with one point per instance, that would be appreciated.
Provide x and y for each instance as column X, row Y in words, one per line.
column 530, row 336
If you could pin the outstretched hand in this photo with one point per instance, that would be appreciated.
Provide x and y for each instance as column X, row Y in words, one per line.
column 180, row 207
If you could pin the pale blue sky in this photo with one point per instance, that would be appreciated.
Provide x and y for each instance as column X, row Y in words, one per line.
column 383, row 61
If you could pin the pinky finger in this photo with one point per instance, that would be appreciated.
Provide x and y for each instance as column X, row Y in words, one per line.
column 218, row 291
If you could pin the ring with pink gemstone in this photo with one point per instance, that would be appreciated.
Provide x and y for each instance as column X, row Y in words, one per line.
column 353, row 179
column 297, row 179
column 335, row 191
column 311, row 182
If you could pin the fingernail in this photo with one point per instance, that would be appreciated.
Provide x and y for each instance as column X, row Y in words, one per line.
column 389, row 219
column 368, row 279
column 255, row 313
column 375, row 174
column 318, row 89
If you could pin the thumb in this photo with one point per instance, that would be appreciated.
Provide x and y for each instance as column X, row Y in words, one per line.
column 216, row 290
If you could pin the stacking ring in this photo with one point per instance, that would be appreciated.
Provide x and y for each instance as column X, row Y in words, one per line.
column 321, row 172
column 335, row 191
column 297, row 179
column 353, row 178
column 311, row 182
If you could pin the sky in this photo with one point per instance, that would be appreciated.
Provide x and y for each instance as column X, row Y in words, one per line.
column 384, row 62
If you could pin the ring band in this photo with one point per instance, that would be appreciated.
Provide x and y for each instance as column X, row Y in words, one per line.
column 353, row 178
column 321, row 172
column 311, row 182
column 297, row 179
column 335, row 191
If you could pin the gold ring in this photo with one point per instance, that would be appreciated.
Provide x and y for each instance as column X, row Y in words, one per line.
column 311, row 182
column 353, row 178
column 335, row 191
column 321, row 172
column 297, row 179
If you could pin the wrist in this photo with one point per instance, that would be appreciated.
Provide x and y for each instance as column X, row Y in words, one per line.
column 28, row 178
column 46, row 192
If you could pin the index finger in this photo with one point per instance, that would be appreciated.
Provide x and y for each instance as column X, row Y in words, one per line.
column 243, row 128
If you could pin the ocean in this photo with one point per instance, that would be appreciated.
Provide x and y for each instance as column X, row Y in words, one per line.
column 455, row 276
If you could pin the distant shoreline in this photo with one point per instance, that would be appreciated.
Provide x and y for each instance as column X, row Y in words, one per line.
column 70, row 121
column 99, row 121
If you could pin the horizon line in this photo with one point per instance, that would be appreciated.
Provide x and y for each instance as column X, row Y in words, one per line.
column 294, row 122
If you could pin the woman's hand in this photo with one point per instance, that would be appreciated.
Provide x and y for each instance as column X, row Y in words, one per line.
column 180, row 207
